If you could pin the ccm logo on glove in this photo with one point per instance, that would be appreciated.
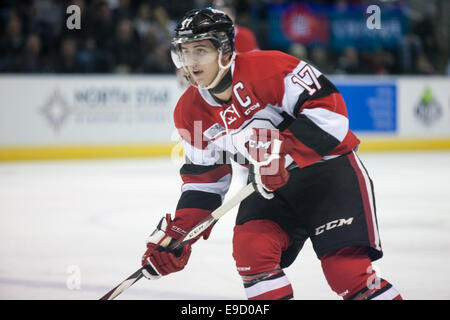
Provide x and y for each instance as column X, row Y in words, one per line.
column 259, row 144
column 267, row 169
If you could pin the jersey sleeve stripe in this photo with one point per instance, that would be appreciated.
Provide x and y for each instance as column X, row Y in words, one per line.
column 333, row 102
column 195, row 169
column 327, row 88
column 331, row 122
column 302, row 154
column 199, row 174
column 199, row 200
column 313, row 136
column 220, row 187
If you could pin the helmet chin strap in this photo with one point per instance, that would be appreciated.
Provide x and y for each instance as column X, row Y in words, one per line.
column 220, row 73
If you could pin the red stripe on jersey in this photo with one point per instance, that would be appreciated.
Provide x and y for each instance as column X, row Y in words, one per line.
column 275, row 294
column 302, row 155
column 365, row 197
column 207, row 177
column 349, row 143
column 333, row 102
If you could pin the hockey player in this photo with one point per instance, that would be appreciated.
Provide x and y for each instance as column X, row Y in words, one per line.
column 244, row 40
column 246, row 107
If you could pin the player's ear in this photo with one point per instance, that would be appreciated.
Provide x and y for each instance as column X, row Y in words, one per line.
column 226, row 58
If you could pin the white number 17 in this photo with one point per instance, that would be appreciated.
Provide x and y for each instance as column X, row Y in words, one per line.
column 300, row 79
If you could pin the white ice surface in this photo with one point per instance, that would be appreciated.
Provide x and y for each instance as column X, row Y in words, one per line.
column 86, row 221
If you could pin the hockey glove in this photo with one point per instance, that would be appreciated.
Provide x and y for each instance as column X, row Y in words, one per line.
column 158, row 259
column 267, row 170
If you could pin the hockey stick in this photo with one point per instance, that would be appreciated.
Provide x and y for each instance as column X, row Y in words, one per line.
column 195, row 231
column 125, row 284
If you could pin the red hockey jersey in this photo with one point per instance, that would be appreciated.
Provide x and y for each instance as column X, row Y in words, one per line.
column 270, row 89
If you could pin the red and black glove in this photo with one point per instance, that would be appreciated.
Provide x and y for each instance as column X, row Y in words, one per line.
column 158, row 259
column 267, row 169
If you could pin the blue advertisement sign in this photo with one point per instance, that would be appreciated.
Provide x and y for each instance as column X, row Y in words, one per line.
column 349, row 28
column 335, row 27
column 371, row 106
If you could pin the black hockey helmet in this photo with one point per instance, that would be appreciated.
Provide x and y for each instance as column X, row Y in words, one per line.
column 207, row 21
column 205, row 24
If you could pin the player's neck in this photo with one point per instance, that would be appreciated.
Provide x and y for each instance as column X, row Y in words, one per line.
column 223, row 97
column 222, row 92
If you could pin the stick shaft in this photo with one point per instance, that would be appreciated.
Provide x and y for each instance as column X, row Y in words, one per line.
column 244, row 193
column 121, row 287
column 195, row 231
column 214, row 216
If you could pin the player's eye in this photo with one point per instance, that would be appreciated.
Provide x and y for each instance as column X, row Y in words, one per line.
column 186, row 54
column 201, row 52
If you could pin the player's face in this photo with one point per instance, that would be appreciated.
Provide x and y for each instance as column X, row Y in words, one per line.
column 200, row 58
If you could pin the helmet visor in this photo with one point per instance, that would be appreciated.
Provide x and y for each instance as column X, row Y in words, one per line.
column 194, row 50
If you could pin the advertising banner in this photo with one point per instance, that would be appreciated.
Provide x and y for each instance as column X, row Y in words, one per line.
column 424, row 107
column 296, row 23
column 53, row 117
column 371, row 105
column 334, row 26
column 61, row 110
column 349, row 29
